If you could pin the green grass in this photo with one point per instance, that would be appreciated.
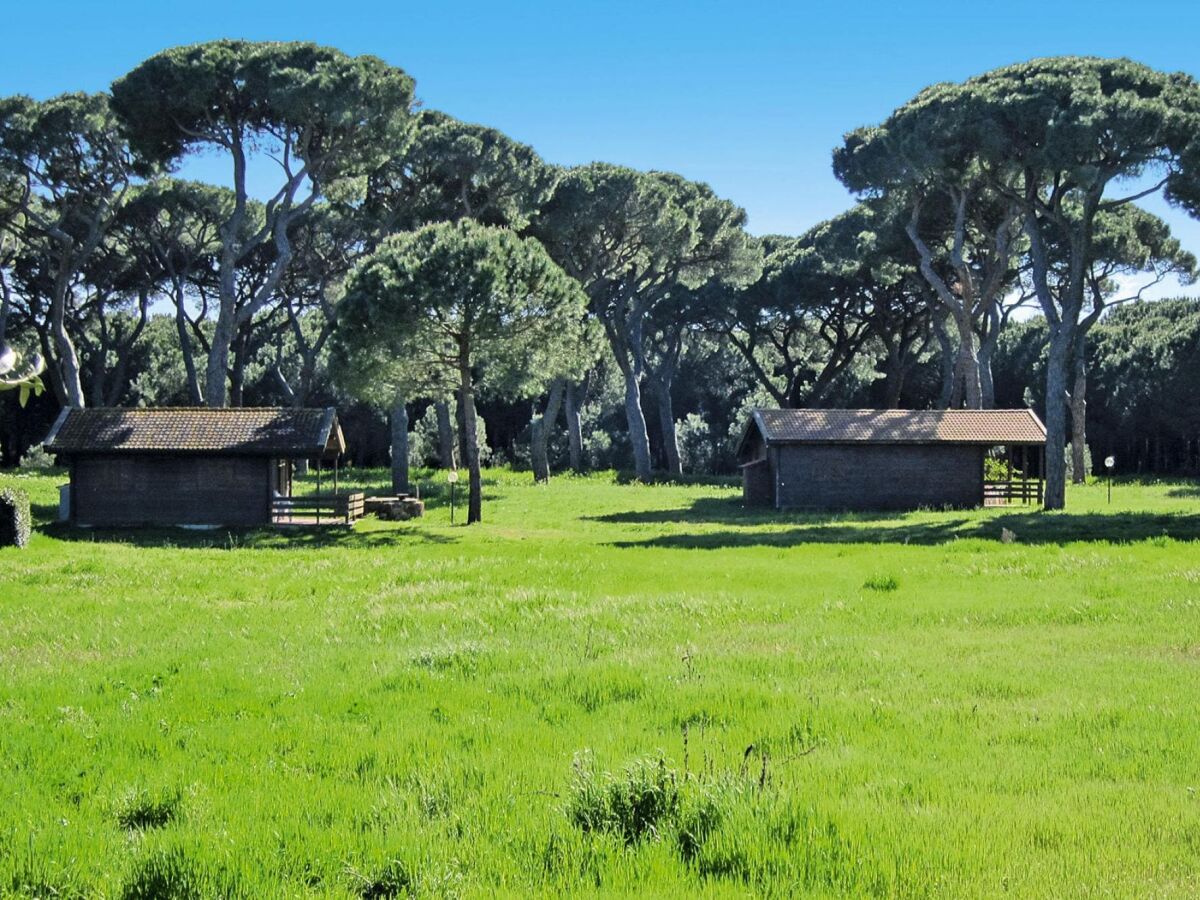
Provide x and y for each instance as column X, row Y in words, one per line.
column 609, row 688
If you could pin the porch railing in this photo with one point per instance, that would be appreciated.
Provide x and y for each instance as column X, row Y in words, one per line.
column 319, row 508
column 1019, row 491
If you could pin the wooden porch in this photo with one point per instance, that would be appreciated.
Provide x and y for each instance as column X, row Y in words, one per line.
column 1021, row 484
column 319, row 509
column 334, row 507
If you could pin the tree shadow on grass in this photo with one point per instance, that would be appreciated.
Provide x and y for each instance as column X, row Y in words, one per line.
column 1028, row 527
column 287, row 537
column 1185, row 490
column 43, row 512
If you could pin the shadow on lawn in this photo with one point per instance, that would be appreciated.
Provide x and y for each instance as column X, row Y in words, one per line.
column 293, row 537
column 1185, row 490
column 1030, row 527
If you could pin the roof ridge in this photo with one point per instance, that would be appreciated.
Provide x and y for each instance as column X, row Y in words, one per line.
column 898, row 426
column 194, row 409
column 1007, row 409
column 266, row 430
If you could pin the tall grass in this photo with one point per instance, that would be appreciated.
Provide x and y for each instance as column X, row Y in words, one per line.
column 608, row 687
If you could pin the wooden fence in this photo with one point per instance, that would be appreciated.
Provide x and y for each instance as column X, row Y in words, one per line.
column 1019, row 491
column 318, row 509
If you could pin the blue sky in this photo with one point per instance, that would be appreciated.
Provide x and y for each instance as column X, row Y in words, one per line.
column 748, row 96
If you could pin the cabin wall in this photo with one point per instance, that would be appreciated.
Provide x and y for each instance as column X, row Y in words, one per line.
column 879, row 476
column 171, row 490
column 758, row 487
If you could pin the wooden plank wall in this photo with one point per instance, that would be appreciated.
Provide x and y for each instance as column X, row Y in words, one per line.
column 171, row 490
column 877, row 476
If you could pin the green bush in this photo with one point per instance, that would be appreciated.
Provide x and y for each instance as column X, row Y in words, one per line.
column 633, row 805
column 37, row 459
column 15, row 521
column 697, row 449
column 995, row 468
column 139, row 810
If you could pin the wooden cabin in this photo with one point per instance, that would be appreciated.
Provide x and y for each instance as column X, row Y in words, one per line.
column 197, row 466
column 858, row 459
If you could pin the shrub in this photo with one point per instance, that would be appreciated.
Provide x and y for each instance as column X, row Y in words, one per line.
column 36, row 457
column 139, row 810
column 699, row 817
column 393, row 880
column 176, row 874
column 15, row 521
column 697, row 449
column 882, row 583
column 633, row 805
column 423, row 439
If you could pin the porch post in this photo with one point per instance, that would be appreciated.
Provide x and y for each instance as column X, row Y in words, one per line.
column 1041, row 476
column 1024, row 473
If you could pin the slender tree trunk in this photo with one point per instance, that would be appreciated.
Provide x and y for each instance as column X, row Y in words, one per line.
column 64, row 347
column 5, row 306
column 215, row 387
column 237, row 377
column 445, row 435
column 399, row 434
column 893, row 387
column 97, row 387
column 52, row 373
column 666, row 424
column 987, row 383
column 948, row 359
column 542, row 425
column 574, row 427
column 470, row 440
column 968, row 362
column 1056, row 419
column 183, row 330
column 639, row 440
column 1079, row 414
column 296, row 401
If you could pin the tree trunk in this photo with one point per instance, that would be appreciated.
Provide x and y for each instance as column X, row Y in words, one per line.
column 64, row 347
column 237, row 377
column 1079, row 414
column 948, row 359
column 968, row 362
column 639, row 440
column 666, row 424
column 987, row 383
column 97, row 387
column 183, row 330
column 399, row 434
column 574, row 427
column 215, row 387
column 540, row 432
column 445, row 435
column 1056, row 419
column 893, row 387
column 894, row 373
column 470, row 441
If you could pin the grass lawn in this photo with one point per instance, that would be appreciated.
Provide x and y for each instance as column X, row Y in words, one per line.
column 609, row 688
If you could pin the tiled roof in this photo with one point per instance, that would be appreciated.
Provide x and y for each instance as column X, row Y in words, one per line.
column 898, row 426
column 256, row 432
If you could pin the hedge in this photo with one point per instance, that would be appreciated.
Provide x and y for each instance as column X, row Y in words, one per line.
column 15, row 523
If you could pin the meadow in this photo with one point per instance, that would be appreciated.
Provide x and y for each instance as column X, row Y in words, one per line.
column 609, row 688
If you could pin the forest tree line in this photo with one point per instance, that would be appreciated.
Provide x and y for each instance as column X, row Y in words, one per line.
column 458, row 297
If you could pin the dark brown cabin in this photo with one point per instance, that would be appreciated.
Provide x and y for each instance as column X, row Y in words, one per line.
column 196, row 466
column 854, row 459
